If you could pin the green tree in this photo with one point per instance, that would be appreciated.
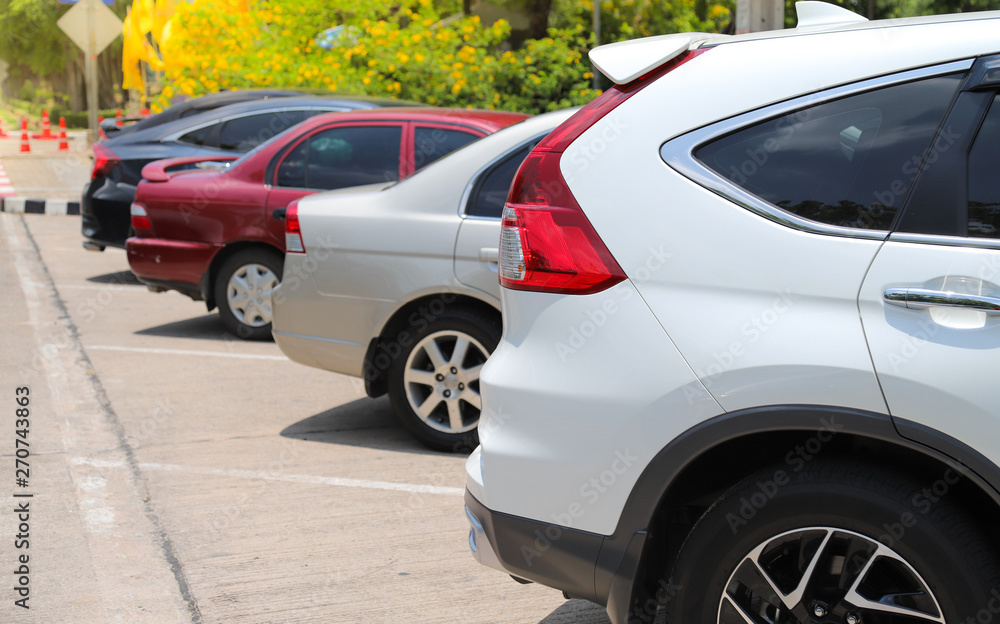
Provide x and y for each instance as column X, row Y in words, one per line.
column 39, row 52
column 29, row 37
column 628, row 19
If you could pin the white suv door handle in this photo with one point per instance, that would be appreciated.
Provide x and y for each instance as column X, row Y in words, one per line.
column 921, row 299
column 490, row 254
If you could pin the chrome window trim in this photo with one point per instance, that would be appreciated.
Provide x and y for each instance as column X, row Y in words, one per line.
column 288, row 109
column 946, row 241
column 463, row 204
column 678, row 153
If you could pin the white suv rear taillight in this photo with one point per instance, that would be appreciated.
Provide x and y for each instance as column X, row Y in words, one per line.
column 512, row 264
column 293, row 233
column 547, row 244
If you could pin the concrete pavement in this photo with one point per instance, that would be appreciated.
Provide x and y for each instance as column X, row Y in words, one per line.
column 181, row 475
column 46, row 173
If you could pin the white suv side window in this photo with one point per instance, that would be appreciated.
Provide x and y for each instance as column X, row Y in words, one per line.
column 984, row 181
column 847, row 162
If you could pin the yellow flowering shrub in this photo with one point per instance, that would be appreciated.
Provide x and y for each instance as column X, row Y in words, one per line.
column 387, row 49
column 628, row 19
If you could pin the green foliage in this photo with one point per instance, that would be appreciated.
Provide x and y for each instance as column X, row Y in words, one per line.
column 30, row 37
column 412, row 51
column 628, row 19
column 76, row 120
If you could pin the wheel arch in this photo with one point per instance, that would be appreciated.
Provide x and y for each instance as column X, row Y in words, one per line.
column 417, row 312
column 687, row 475
column 208, row 279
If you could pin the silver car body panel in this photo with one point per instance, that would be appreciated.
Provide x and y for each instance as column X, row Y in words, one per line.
column 372, row 250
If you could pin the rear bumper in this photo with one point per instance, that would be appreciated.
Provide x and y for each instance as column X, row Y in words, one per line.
column 177, row 265
column 337, row 356
column 104, row 213
column 310, row 328
column 555, row 556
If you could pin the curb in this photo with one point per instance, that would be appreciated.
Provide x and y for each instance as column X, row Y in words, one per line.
column 39, row 206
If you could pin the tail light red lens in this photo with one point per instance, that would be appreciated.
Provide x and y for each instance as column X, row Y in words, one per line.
column 104, row 161
column 142, row 226
column 547, row 244
column 293, row 234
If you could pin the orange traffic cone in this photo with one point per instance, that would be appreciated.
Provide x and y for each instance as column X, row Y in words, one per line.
column 25, row 145
column 118, row 118
column 100, row 131
column 3, row 135
column 63, row 143
column 46, row 134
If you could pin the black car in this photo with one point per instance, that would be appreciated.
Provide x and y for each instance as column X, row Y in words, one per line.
column 196, row 106
column 228, row 130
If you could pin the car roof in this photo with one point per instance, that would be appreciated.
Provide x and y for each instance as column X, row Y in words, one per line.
column 193, row 106
column 486, row 120
column 807, row 25
column 332, row 102
column 625, row 61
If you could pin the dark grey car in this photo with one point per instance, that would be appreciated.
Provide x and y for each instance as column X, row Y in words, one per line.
column 228, row 130
column 196, row 106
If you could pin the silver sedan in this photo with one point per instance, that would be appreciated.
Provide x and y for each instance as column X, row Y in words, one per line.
column 397, row 283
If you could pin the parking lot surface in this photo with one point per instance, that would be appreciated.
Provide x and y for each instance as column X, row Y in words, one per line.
column 177, row 474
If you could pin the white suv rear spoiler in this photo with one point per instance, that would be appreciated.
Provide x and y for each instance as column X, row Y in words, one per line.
column 625, row 61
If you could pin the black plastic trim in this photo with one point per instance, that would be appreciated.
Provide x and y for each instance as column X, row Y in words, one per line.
column 546, row 553
column 985, row 74
column 618, row 565
column 976, row 466
column 604, row 569
column 376, row 382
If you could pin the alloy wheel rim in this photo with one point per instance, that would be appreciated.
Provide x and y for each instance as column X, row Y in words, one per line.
column 248, row 294
column 826, row 575
column 441, row 381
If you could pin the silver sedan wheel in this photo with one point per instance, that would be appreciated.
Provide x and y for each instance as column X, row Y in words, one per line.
column 822, row 574
column 248, row 294
column 442, row 381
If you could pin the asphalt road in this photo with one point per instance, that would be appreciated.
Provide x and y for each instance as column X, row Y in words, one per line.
column 177, row 474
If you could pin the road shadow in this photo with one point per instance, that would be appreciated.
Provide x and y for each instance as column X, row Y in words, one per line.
column 366, row 422
column 577, row 612
column 120, row 278
column 207, row 327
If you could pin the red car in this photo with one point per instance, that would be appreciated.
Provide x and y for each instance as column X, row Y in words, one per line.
column 218, row 234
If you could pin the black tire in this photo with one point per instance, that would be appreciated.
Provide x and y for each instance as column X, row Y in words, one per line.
column 855, row 507
column 410, row 350
column 253, row 323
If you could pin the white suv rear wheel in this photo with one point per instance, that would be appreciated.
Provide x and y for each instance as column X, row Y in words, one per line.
column 837, row 542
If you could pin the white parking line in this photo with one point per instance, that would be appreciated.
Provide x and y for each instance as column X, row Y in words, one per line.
column 117, row 517
column 6, row 189
column 274, row 476
column 239, row 356
column 109, row 286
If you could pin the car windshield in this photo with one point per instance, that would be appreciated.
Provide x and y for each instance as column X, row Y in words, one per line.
column 278, row 138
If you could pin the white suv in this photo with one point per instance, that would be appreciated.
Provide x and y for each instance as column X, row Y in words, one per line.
column 751, row 321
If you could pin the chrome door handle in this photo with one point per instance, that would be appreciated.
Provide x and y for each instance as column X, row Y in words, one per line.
column 921, row 299
column 490, row 254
